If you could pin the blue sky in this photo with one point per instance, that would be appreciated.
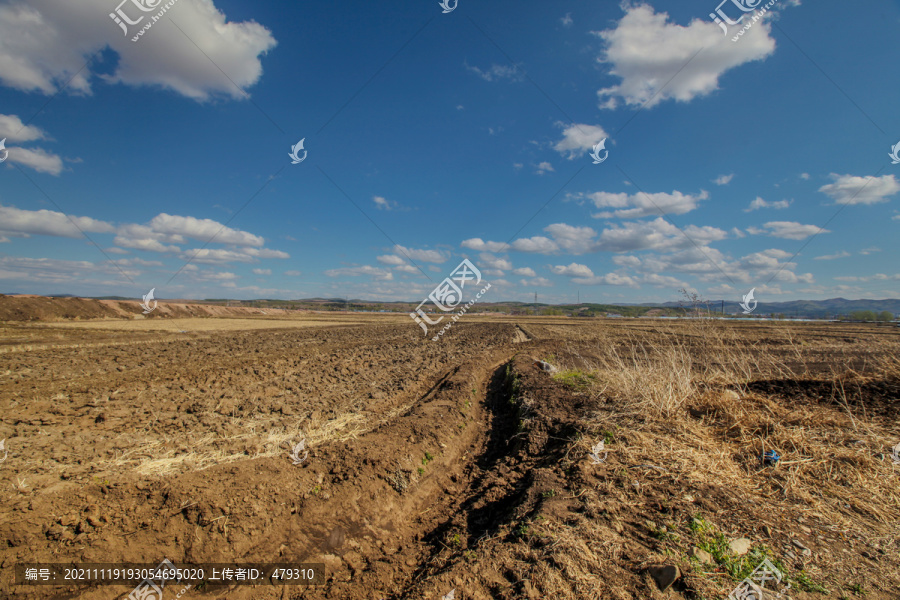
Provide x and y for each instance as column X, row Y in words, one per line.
column 734, row 162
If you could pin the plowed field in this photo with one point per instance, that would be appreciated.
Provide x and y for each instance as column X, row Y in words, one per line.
column 452, row 465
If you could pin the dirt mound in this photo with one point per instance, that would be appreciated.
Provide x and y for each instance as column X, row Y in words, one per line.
column 44, row 309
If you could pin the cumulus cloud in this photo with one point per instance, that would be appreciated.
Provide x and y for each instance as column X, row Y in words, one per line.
column 566, row 20
column 382, row 203
column 723, row 179
column 202, row 229
column 572, row 270
column 12, row 129
column 262, row 271
column 496, row 72
column 37, row 159
column 489, row 261
column 658, row 234
column 536, row 282
column 480, row 245
column 841, row 254
column 432, row 256
column 788, row 230
column 615, row 279
column 525, row 272
column 544, row 167
column 636, row 206
column 44, row 44
column 22, row 223
column 578, row 139
column 850, row 189
column 375, row 272
column 391, row 259
column 760, row 203
column 645, row 51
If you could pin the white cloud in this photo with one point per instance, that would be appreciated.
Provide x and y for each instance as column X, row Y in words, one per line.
column 497, row 72
column 578, row 139
column 382, row 203
column 645, row 50
column 525, row 272
column 841, row 254
column 293, row 273
column 203, row 230
column 432, row 256
column 538, row 244
column 723, row 179
column 636, row 206
column 479, row 244
column 573, row 270
column 22, row 223
column 44, row 43
column 375, row 272
column 566, row 20
column 37, row 159
column 804, row 176
column 544, row 167
column 493, row 262
column 850, row 189
column 760, row 203
column 788, row 230
column 262, row 271
column 391, row 259
column 615, row 279
column 212, row 256
column 658, row 234
column 536, row 282
column 12, row 128
column 575, row 240
column 406, row 269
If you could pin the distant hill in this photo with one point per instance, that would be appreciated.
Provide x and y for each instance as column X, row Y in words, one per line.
column 802, row 308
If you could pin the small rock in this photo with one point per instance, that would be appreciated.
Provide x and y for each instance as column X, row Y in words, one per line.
column 799, row 544
column 701, row 555
column 731, row 395
column 806, row 530
column 790, row 555
column 740, row 546
column 664, row 575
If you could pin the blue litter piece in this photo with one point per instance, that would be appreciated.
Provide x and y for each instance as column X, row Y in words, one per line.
column 770, row 458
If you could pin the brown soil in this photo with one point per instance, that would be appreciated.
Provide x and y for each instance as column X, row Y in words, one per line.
column 433, row 466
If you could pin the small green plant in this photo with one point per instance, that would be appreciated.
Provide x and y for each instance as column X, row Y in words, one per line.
column 427, row 458
column 421, row 471
column 522, row 530
column 549, row 494
column 857, row 589
column 575, row 378
column 806, row 584
column 455, row 540
column 470, row 555
column 316, row 490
